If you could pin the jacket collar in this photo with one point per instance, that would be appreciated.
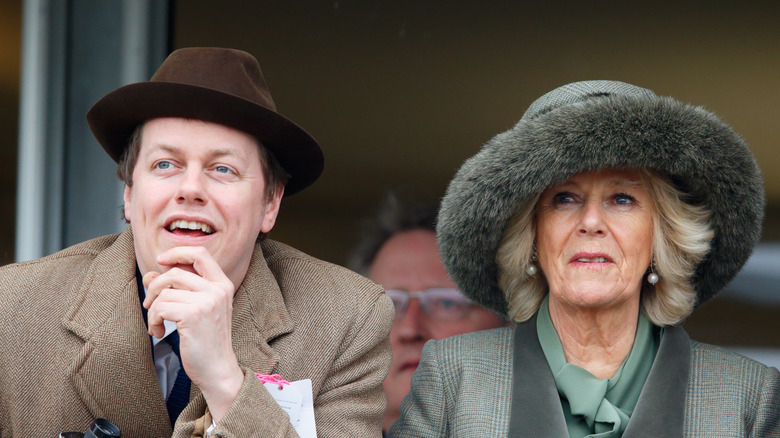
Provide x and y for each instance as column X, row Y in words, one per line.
column 105, row 314
column 536, row 406
column 661, row 404
column 113, row 371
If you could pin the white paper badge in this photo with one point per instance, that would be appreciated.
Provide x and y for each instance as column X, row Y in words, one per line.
column 289, row 398
column 296, row 399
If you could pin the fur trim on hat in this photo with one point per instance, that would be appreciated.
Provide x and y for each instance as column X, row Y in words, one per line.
column 700, row 153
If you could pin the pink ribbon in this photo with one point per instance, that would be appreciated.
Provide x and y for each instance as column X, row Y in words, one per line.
column 272, row 378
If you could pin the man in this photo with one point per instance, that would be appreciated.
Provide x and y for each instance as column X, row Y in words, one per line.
column 399, row 252
column 206, row 160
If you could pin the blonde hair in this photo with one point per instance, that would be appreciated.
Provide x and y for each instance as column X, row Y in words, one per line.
column 681, row 239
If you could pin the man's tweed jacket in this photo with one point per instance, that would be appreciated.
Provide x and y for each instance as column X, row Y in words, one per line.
column 464, row 388
column 73, row 345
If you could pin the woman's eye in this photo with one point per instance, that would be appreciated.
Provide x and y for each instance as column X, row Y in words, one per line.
column 623, row 199
column 563, row 198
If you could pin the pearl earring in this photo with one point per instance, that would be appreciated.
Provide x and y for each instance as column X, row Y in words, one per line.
column 652, row 277
column 531, row 269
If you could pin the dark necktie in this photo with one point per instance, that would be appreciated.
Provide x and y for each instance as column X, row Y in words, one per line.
column 180, row 394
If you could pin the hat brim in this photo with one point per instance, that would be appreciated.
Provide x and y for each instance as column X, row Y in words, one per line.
column 114, row 118
column 701, row 155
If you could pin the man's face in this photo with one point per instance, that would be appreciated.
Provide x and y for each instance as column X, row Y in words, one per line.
column 409, row 261
column 198, row 184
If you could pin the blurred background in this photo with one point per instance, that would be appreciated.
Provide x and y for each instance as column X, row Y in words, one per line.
column 398, row 94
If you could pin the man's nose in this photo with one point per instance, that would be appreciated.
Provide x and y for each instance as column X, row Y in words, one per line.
column 191, row 187
column 411, row 325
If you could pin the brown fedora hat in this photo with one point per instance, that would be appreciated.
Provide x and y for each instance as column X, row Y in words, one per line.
column 224, row 86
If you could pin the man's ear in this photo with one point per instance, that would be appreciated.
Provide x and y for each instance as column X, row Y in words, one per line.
column 272, row 210
column 126, row 197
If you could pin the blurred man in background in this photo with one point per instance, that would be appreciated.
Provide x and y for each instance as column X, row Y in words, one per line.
column 399, row 251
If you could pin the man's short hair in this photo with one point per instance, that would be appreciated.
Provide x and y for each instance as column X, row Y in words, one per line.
column 393, row 217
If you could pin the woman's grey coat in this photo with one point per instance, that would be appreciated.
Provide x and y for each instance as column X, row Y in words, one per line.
column 464, row 388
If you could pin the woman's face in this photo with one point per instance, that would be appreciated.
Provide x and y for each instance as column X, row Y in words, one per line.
column 594, row 237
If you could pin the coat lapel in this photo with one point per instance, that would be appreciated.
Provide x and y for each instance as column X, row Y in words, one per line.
column 112, row 370
column 259, row 316
column 536, row 406
column 661, row 404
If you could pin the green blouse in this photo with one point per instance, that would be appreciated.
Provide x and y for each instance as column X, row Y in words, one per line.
column 596, row 407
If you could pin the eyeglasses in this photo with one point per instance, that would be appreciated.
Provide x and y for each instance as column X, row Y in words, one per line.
column 441, row 303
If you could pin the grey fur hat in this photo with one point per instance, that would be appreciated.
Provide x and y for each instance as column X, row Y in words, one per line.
column 593, row 125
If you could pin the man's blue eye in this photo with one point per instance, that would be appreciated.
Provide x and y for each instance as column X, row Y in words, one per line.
column 162, row 165
column 222, row 169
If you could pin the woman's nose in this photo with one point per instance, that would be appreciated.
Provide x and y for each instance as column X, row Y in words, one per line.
column 592, row 219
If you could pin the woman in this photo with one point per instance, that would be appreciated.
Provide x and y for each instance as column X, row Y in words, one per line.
column 597, row 223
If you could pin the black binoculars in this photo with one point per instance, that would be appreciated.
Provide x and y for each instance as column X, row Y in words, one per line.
column 100, row 428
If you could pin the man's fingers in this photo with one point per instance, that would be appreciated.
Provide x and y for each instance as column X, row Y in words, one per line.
column 198, row 257
column 171, row 305
column 158, row 283
column 157, row 330
column 191, row 288
column 149, row 277
column 175, row 278
column 147, row 280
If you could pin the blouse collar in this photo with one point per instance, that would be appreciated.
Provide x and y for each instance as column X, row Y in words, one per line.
column 593, row 406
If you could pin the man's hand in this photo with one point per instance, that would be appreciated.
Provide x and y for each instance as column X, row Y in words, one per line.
column 197, row 295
